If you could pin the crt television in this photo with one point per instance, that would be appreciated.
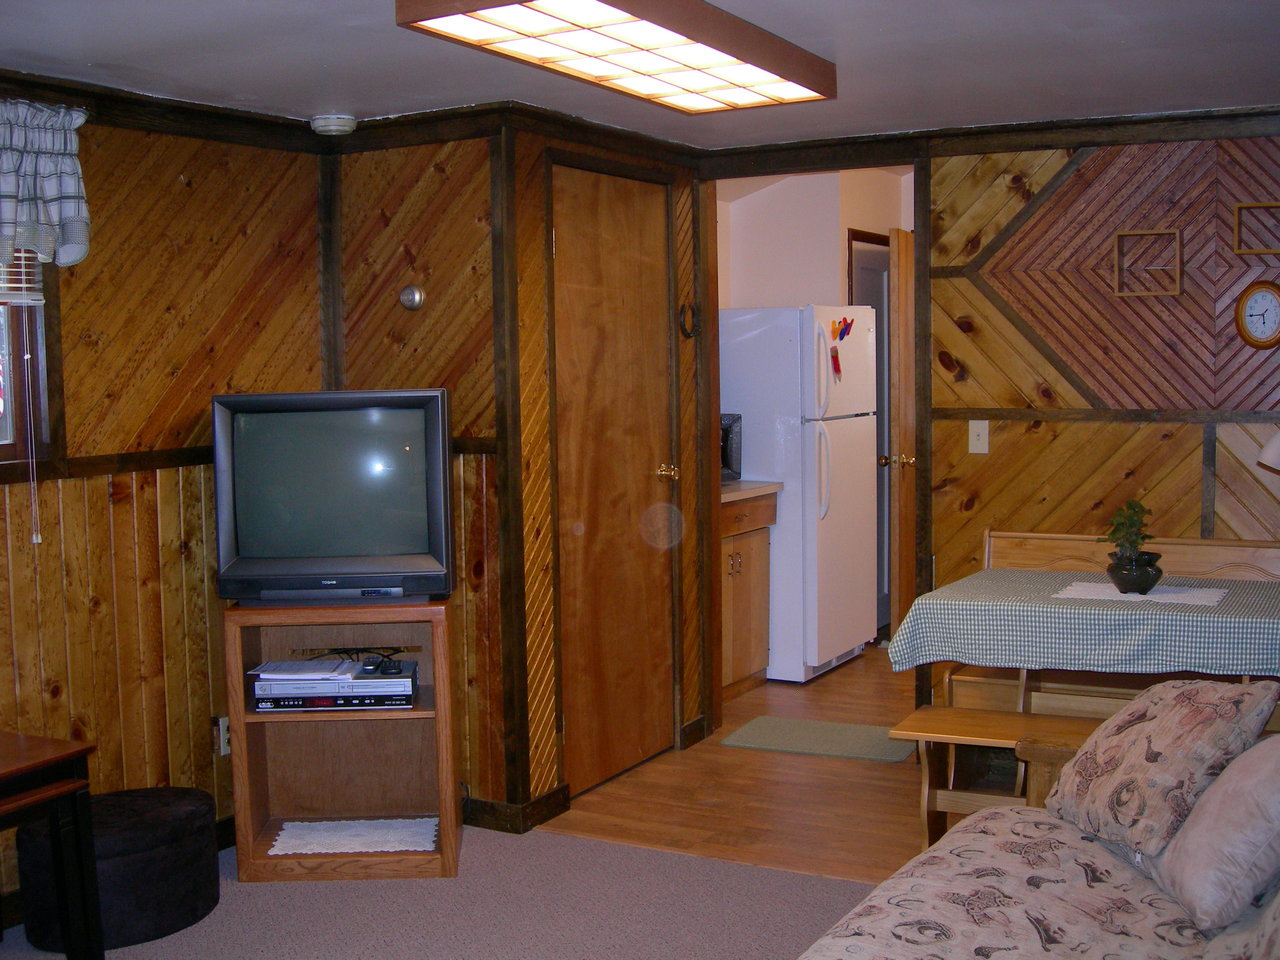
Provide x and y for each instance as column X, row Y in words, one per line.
column 336, row 496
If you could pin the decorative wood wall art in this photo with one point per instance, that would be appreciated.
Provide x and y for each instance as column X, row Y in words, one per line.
column 1257, row 228
column 1148, row 263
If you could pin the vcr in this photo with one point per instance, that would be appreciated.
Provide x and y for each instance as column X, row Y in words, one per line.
column 371, row 701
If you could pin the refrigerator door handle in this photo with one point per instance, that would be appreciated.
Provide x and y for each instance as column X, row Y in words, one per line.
column 824, row 471
column 821, row 371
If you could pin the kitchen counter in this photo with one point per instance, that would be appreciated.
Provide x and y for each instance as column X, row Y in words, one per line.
column 743, row 489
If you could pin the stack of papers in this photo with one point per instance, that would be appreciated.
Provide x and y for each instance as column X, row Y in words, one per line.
column 307, row 670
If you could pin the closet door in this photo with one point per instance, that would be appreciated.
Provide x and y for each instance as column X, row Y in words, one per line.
column 617, row 532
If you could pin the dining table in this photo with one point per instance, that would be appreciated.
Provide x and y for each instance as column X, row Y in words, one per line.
column 1069, row 620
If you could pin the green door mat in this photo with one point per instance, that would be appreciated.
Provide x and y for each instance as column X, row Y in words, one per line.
column 854, row 740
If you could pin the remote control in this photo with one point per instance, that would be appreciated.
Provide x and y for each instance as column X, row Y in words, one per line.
column 371, row 665
column 392, row 667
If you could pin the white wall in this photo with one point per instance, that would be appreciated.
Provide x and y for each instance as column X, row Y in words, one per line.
column 782, row 241
column 872, row 200
column 785, row 245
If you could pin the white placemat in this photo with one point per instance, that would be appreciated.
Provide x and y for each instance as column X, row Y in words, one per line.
column 1089, row 590
column 356, row 836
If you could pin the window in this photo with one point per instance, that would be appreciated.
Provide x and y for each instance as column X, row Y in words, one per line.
column 24, row 434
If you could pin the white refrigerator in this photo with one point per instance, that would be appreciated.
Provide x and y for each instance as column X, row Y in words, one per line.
column 804, row 381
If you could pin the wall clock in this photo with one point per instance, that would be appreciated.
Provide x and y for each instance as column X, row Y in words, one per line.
column 1258, row 315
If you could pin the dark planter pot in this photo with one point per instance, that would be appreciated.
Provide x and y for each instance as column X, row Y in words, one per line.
column 1136, row 574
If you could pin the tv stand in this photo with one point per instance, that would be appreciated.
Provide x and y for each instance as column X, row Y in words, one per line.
column 341, row 764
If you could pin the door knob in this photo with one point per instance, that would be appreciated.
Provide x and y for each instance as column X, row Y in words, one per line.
column 668, row 470
column 885, row 460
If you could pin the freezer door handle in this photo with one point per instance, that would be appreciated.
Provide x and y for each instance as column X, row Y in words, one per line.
column 824, row 471
column 821, row 371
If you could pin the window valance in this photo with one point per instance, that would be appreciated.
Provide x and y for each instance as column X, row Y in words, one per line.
column 42, row 202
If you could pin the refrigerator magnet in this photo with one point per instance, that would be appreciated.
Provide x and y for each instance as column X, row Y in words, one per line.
column 835, row 362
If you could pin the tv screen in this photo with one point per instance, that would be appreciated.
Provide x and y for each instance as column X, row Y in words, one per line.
column 333, row 496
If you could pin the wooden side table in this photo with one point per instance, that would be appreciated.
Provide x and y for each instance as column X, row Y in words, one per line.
column 43, row 775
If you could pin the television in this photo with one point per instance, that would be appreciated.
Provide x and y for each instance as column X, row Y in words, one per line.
column 334, row 496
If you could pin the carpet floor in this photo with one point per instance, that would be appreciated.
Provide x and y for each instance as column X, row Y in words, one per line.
column 538, row 896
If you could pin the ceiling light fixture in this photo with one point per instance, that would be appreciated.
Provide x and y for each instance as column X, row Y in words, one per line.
column 684, row 54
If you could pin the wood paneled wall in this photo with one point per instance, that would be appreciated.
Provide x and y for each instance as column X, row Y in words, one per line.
column 201, row 279
column 422, row 215
column 1095, row 397
column 110, row 630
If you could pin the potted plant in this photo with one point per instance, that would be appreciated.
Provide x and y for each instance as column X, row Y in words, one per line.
column 1132, row 569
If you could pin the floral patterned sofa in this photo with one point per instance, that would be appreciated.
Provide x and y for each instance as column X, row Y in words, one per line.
column 1161, row 841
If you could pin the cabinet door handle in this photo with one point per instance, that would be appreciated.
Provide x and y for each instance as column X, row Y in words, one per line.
column 668, row 470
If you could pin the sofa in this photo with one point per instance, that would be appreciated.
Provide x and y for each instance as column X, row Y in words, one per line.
column 1160, row 841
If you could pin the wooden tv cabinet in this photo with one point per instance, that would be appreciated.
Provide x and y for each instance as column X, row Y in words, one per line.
column 341, row 764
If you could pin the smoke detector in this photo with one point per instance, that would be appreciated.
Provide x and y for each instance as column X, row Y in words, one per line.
column 332, row 124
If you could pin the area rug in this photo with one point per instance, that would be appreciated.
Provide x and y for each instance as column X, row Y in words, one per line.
column 534, row 896
column 855, row 741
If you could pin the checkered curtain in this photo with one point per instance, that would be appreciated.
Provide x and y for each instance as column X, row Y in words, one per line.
column 42, row 203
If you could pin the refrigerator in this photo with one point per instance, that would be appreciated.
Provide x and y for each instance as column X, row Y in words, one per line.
column 804, row 381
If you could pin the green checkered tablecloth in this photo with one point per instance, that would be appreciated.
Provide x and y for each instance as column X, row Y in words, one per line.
column 1011, row 618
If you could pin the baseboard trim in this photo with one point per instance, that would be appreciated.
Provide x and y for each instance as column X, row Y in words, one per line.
column 515, row 817
column 693, row 732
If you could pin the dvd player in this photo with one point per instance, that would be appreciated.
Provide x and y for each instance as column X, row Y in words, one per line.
column 375, row 701
column 358, row 684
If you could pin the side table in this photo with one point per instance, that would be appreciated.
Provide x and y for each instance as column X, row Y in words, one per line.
column 44, row 775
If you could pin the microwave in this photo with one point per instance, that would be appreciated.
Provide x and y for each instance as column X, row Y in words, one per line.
column 730, row 447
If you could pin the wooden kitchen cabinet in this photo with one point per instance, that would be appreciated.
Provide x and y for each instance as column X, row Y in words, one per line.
column 744, row 574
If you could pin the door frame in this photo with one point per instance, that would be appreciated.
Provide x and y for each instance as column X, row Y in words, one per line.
column 552, row 158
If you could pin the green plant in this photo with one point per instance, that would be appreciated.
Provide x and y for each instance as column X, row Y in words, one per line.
column 1127, row 530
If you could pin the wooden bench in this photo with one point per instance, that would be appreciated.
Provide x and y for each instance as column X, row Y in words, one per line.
column 937, row 730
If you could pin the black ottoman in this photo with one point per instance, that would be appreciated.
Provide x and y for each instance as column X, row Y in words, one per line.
column 157, row 866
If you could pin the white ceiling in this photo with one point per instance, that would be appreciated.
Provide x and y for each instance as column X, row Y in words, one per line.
column 903, row 65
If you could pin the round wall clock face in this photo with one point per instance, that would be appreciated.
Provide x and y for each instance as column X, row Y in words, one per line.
column 1258, row 315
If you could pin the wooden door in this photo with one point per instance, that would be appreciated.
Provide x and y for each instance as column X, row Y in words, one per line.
column 902, row 422
column 617, row 526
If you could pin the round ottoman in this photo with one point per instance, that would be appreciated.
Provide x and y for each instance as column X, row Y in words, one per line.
column 157, row 858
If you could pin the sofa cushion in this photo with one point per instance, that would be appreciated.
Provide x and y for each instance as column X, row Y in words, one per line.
column 1014, row 882
column 1137, row 777
column 1228, row 851
column 1255, row 936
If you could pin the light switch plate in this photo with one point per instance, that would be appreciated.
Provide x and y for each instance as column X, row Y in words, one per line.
column 979, row 436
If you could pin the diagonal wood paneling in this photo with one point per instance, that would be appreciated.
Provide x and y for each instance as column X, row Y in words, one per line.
column 201, row 279
column 1057, row 273
column 1061, row 477
column 1244, row 378
column 975, row 197
column 421, row 215
column 532, row 191
column 981, row 359
column 1247, row 499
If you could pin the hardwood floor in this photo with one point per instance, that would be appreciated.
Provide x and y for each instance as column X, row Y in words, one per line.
column 852, row 819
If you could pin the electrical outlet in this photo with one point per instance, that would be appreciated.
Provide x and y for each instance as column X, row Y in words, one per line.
column 979, row 436
column 224, row 736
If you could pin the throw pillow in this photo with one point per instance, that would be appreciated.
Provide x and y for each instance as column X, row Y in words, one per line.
column 1228, row 851
column 1136, row 778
